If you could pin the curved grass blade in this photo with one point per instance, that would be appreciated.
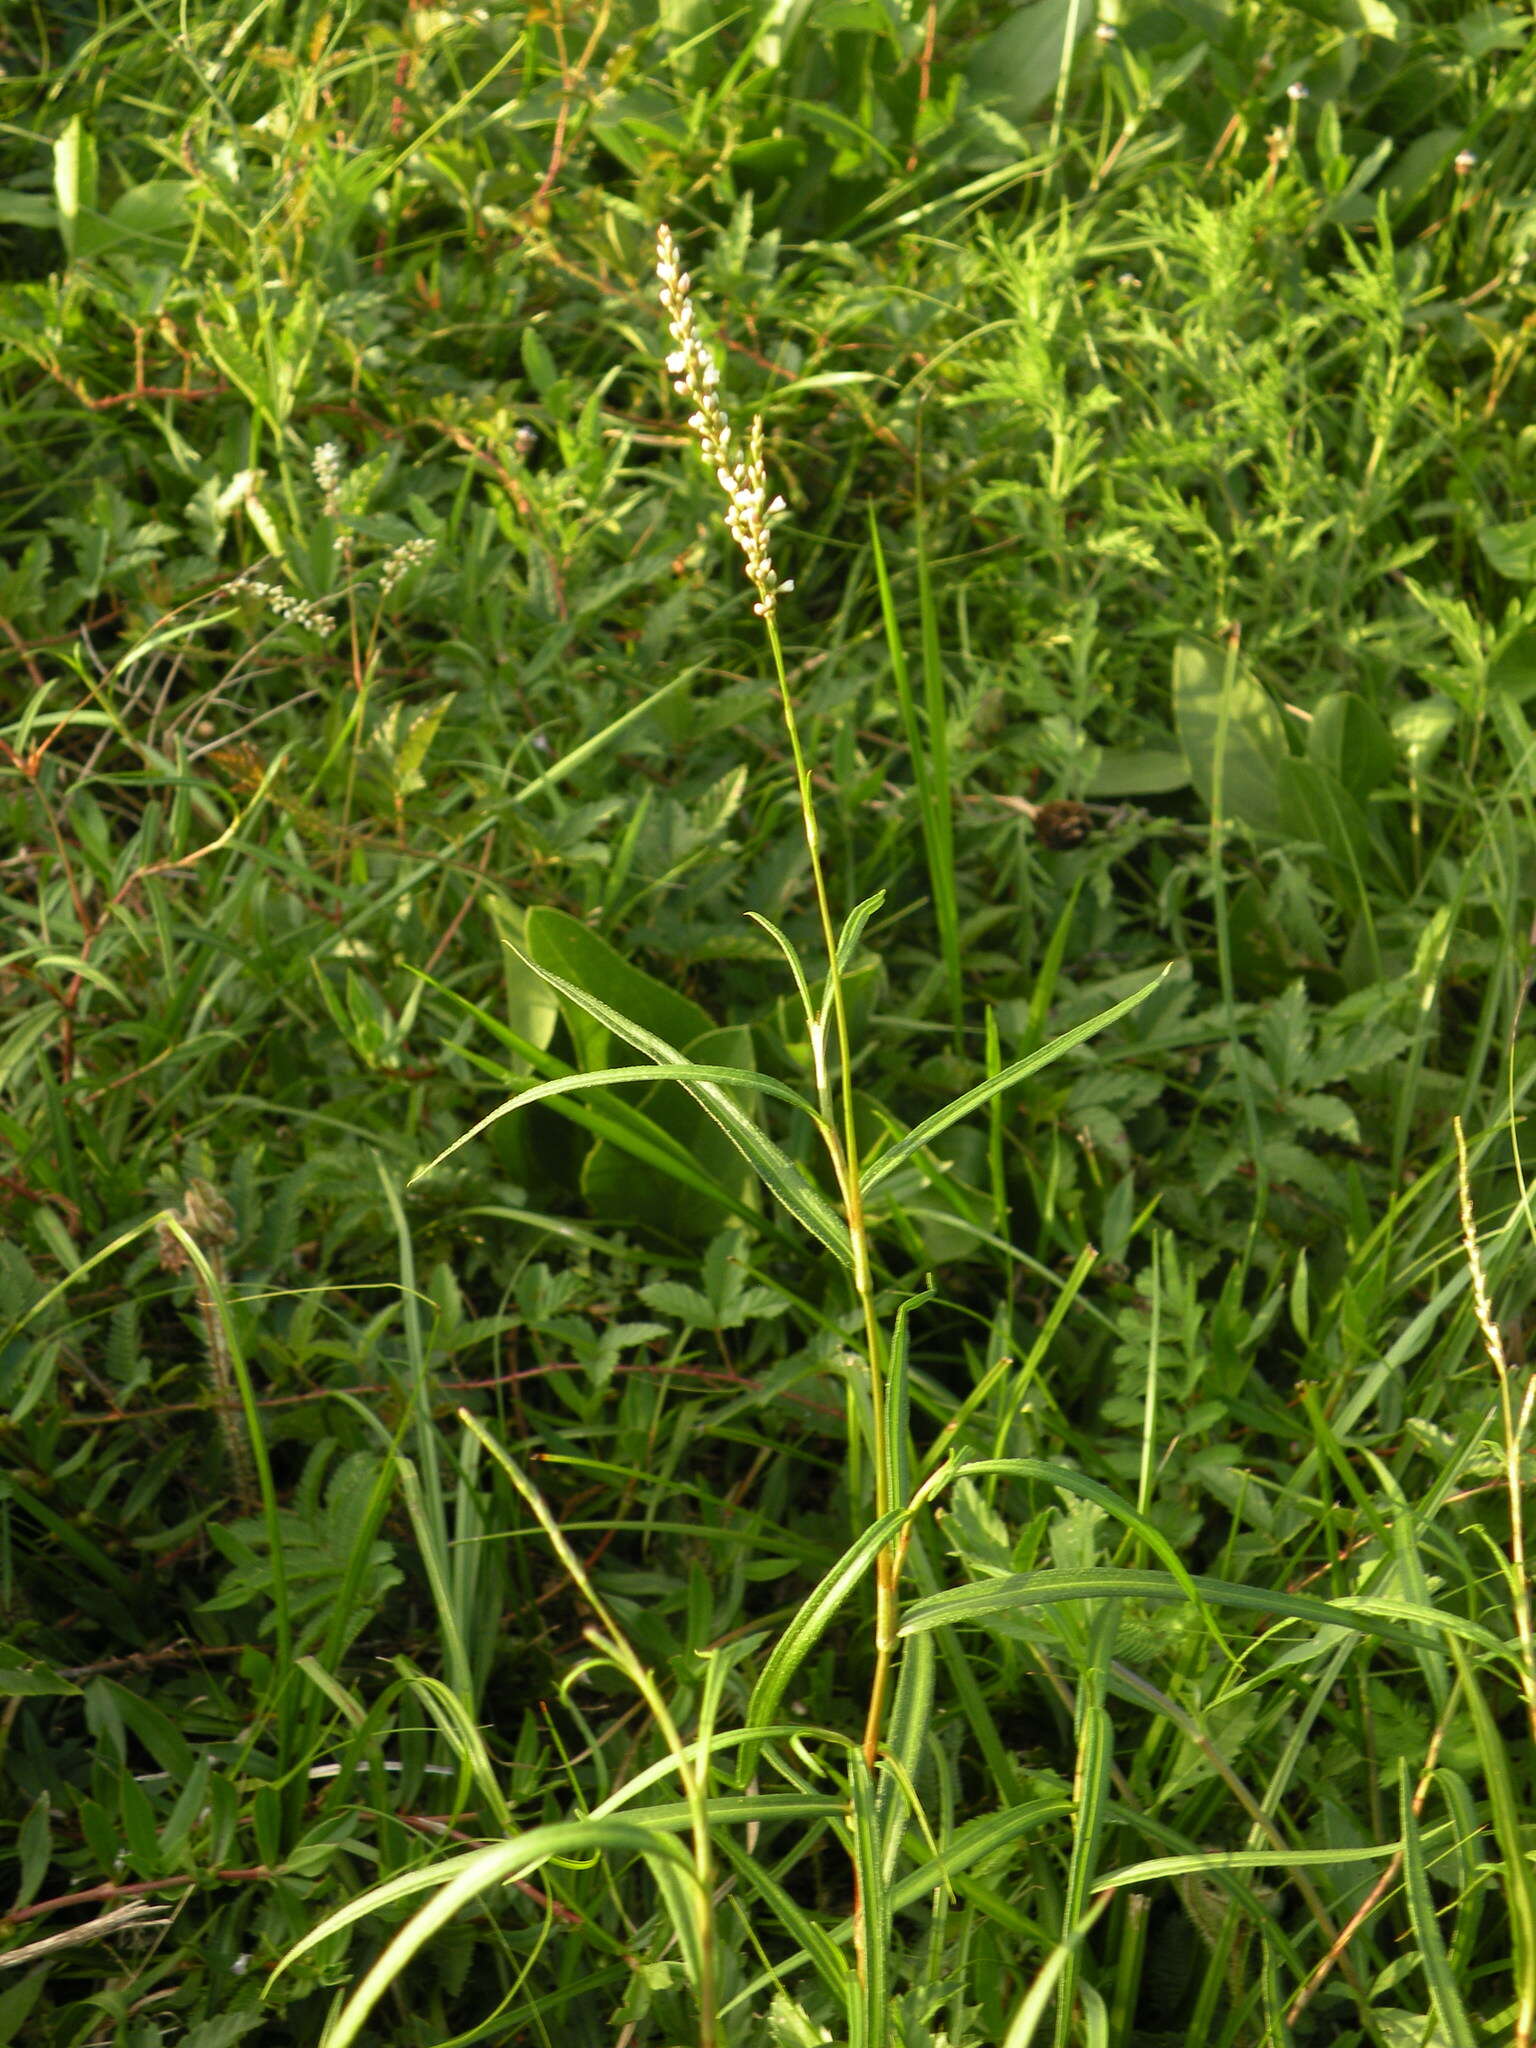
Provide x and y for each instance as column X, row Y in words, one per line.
column 618, row 1123
column 792, row 960
column 620, row 1077
column 983, row 1092
column 777, row 1171
column 805, row 1631
column 1207, row 1863
column 464, row 1878
column 1388, row 1621
column 1102, row 1496
column 853, row 929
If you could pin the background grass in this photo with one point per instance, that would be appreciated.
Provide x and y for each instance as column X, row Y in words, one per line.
column 1152, row 409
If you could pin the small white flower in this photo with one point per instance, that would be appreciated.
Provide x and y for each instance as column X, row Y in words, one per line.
column 1105, row 32
column 1296, row 90
column 1466, row 160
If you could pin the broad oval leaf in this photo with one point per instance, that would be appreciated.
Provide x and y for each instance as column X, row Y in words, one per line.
column 1231, row 734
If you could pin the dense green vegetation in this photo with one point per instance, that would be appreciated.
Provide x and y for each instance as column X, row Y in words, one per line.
column 1104, row 1619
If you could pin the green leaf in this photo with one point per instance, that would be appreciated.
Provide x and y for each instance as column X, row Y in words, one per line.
column 1231, row 734
column 1008, row 1077
column 1422, row 728
column 457, row 1881
column 872, row 2013
column 614, row 1119
column 786, row 1181
column 621, row 1189
column 1392, row 1622
column 557, row 944
column 1425, row 159
column 156, row 1730
column 1511, row 549
column 1315, row 806
column 1350, row 740
column 28, row 210
column 1443, row 1994
column 1016, row 68
column 155, row 212
column 810, row 1622
column 17, row 2002
column 34, row 1850
column 34, row 1681
column 1138, row 771
column 137, row 1818
column 74, row 185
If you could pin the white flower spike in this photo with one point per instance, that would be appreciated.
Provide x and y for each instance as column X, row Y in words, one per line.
column 749, row 513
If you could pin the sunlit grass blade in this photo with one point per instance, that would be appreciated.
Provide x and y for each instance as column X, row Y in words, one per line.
column 457, row 1882
column 1017, row 1070
column 686, row 1071
column 786, row 1181
column 1391, row 1621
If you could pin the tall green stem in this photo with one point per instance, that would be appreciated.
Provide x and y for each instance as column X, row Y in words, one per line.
column 845, row 1165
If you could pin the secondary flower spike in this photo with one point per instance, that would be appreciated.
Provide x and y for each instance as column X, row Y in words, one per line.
column 749, row 512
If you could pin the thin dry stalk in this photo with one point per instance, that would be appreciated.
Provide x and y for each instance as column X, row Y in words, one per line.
column 1513, row 1426
column 208, row 1218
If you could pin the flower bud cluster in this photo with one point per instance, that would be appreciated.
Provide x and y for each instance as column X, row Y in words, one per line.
column 298, row 611
column 401, row 560
column 749, row 511
column 330, row 467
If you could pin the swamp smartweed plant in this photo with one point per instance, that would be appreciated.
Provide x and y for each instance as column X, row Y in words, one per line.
column 748, row 516
column 685, row 1879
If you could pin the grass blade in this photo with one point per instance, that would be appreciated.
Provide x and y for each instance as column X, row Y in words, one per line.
column 778, row 1172
column 983, row 1092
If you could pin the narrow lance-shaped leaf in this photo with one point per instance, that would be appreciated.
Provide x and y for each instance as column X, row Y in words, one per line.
column 620, row 1124
column 1018, row 1070
column 1395, row 1621
column 778, row 1172
column 457, row 1881
column 619, row 1077
column 805, row 1631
